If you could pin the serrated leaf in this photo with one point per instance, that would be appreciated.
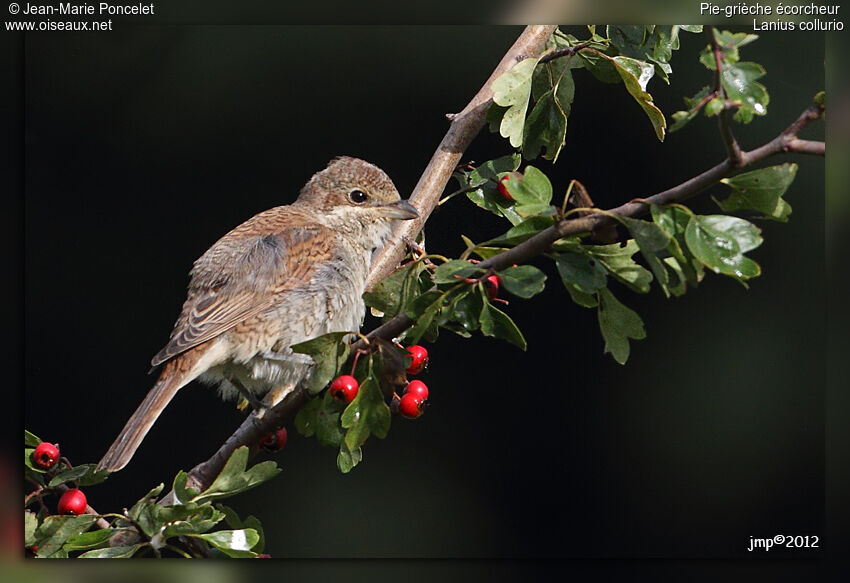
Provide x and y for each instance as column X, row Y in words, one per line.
column 329, row 352
column 546, row 128
column 618, row 324
column 760, row 191
column 234, row 478
column 619, row 263
column 367, row 414
column 651, row 239
column 490, row 171
column 729, row 43
column 56, row 530
column 347, row 458
column 112, row 552
column 30, row 525
column 512, row 89
column 525, row 281
column 233, row 543
column 88, row 540
column 30, row 440
column 498, row 324
column 720, row 241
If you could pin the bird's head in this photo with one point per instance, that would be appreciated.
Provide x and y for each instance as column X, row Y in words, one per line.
column 353, row 189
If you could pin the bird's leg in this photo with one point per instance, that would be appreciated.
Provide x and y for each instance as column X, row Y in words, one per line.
column 255, row 403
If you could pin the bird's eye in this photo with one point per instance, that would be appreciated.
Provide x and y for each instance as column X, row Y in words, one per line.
column 357, row 196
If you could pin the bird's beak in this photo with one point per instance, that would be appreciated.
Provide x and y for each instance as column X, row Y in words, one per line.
column 400, row 210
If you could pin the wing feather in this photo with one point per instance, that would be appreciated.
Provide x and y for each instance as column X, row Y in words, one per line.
column 243, row 274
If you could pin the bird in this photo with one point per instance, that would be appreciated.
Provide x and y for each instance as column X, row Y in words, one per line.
column 284, row 276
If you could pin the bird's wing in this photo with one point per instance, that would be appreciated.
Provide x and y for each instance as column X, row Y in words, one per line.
column 241, row 275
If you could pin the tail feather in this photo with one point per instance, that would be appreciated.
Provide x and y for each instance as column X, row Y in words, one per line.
column 140, row 423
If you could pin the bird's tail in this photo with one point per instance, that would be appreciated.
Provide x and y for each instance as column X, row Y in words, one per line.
column 125, row 445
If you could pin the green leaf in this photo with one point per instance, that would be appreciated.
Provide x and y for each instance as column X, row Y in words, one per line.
column 739, row 82
column 88, row 540
column 72, row 474
column 635, row 75
column 446, row 272
column 234, row 478
column 143, row 513
column 760, row 191
column 30, row 440
column 729, row 43
column 619, row 263
column 494, row 116
column 233, row 543
column 523, row 231
column 651, row 239
column 395, row 291
column 583, row 273
column 525, row 281
column 674, row 220
column 720, row 241
column 329, row 352
column 714, row 107
column 347, row 458
column 600, row 66
column 618, row 323
column 56, row 530
column 28, row 451
column 367, row 414
column 683, row 117
column 546, row 128
column 113, row 552
column 512, row 89
column 30, row 525
column 492, row 170
column 498, row 324
column 467, row 310
column 494, row 203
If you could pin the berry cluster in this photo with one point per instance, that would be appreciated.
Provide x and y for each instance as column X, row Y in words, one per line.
column 72, row 501
column 412, row 402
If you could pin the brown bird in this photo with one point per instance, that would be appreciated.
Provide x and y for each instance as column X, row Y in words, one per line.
column 282, row 277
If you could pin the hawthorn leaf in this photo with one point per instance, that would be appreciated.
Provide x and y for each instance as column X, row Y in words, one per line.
column 760, row 191
column 618, row 262
column 525, row 281
column 329, row 352
column 498, row 324
column 512, row 89
column 720, row 241
column 618, row 324
column 233, row 543
column 112, row 552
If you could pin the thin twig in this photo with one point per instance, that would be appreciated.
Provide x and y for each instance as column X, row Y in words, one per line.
column 733, row 150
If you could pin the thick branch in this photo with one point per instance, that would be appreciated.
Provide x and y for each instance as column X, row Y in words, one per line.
column 465, row 126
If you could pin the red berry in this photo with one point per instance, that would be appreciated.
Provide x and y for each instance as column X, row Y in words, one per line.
column 45, row 455
column 274, row 441
column 73, row 501
column 344, row 388
column 491, row 284
column 502, row 188
column 410, row 406
column 419, row 359
column 417, row 389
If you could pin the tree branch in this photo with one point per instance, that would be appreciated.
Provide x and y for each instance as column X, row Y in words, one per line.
column 464, row 127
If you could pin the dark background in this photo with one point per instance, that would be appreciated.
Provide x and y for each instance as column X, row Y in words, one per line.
column 145, row 145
